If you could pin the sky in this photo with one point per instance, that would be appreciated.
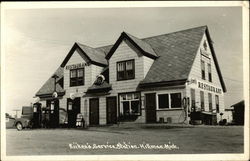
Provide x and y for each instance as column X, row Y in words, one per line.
column 37, row 40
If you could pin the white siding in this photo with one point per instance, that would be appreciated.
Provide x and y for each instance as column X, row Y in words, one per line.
column 195, row 73
column 147, row 63
column 90, row 73
column 126, row 52
column 176, row 115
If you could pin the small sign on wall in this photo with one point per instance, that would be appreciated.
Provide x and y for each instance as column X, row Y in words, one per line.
column 76, row 66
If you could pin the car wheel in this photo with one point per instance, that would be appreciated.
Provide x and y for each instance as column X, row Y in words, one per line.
column 19, row 126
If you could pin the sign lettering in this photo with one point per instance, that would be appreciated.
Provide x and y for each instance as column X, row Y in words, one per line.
column 210, row 88
column 76, row 66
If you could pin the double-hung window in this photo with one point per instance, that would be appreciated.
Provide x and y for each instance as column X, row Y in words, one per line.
column 202, row 100
column 217, row 103
column 77, row 77
column 130, row 104
column 203, row 74
column 169, row 100
column 210, row 102
column 126, row 70
column 209, row 72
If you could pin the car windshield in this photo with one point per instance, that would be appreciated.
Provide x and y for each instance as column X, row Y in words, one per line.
column 27, row 110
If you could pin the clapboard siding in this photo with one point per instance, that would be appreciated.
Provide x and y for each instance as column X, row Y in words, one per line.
column 196, row 68
column 147, row 63
column 195, row 73
column 102, row 110
column 125, row 51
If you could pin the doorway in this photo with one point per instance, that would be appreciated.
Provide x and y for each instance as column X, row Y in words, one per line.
column 73, row 108
column 111, row 105
column 94, row 111
column 150, row 108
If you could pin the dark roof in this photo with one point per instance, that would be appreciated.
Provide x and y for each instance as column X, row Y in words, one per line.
column 175, row 56
column 103, row 86
column 93, row 55
column 142, row 44
column 48, row 87
column 139, row 44
column 176, row 52
column 241, row 103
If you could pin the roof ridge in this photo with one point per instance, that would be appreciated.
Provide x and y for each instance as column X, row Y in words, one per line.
column 153, row 36
column 174, row 32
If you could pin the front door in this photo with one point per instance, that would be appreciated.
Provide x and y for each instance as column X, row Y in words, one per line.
column 94, row 111
column 150, row 108
column 73, row 109
column 111, row 110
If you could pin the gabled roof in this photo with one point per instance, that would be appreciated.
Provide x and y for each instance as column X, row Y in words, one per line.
column 141, row 45
column 241, row 103
column 94, row 56
column 176, row 52
column 48, row 87
column 174, row 55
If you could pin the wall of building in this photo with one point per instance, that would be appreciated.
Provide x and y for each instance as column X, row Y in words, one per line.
column 195, row 73
column 177, row 115
column 126, row 52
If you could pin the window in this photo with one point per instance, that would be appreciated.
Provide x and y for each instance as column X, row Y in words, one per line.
column 217, row 103
column 130, row 104
column 163, row 101
column 169, row 100
column 193, row 98
column 205, row 45
column 203, row 76
column 210, row 102
column 209, row 72
column 76, row 77
column 175, row 100
column 202, row 100
column 126, row 70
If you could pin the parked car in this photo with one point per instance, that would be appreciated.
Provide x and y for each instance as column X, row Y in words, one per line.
column 10, row 121
column 26, row 118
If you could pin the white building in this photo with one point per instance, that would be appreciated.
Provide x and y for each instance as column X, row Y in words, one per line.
column 157, row 79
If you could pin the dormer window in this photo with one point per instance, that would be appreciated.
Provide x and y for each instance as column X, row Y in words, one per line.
column 125, row 70
column 76, row 77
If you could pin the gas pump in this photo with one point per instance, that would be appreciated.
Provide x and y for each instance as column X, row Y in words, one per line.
column 37, row 115
column 54, row 114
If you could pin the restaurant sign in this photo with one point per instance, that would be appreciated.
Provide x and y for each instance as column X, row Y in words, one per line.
column 210, row 88
column 76, row 66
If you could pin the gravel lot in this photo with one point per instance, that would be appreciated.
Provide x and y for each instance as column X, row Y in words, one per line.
column 187, row 139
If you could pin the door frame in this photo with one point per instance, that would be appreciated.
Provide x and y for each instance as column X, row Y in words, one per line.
column 91, row 108
column 146, row 109
column 116, row 110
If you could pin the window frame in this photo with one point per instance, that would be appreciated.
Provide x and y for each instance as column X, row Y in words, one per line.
column 169, row 100
column 217, row 100
column 203, row 72
column 202, row 100
column 125, row 70
column 120, row 101
column 77, row 78
column 210, row 102
column 209, row 71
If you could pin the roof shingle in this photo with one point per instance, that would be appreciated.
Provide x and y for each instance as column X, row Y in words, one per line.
column 176, row 53
column 48, row 87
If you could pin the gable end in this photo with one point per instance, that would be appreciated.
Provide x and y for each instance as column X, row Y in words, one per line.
column 75, row 46
column 118, row 42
